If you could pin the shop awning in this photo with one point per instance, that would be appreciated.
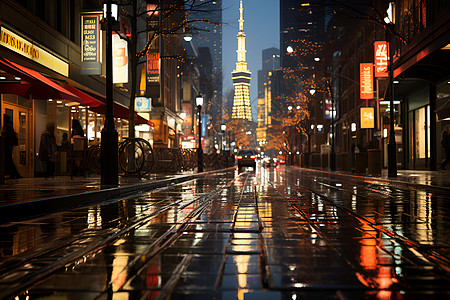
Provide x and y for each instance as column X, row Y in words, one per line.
column 119, row 110
column 86, row 99
column 32, row 84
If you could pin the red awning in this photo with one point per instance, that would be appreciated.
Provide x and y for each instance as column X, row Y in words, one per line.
column 119, row 110
column 87, row 100
column 32, row 84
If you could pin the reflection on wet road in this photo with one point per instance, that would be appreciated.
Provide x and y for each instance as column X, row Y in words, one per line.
column 278, row 233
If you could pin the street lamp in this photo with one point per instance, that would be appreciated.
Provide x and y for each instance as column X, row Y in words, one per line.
column 199, row 103
column 392, row 147
column 223, row 127
column 109, row 145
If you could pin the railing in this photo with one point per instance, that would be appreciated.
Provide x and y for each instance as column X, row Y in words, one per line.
column 136, row 156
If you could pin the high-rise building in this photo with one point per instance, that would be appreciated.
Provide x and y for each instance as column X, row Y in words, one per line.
column 241, row 77
column 270, row 63
column 210, row 36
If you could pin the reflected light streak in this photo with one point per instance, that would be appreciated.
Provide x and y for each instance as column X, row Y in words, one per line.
column 119, row 274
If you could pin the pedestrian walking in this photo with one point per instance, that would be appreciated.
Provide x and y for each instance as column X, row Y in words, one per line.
column 445, row 142
column 47, row 149
column 11, row 141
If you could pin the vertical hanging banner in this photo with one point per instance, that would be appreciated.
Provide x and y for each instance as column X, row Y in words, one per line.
column 90, row 44
column 367, row 117
column 366, row 80
column 381, row 58
column 153, row 61
column 120, row 60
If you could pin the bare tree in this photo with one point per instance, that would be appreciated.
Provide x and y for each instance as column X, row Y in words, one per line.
column 155, row 20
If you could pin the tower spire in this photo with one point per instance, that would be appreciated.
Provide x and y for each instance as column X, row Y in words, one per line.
column 241, row 76
column 241, row 18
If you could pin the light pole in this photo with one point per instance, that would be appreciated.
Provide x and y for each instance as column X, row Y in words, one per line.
column 109, row 144
column 392, row 147
column 199, row 103
column 223, row 127
column 333, row 151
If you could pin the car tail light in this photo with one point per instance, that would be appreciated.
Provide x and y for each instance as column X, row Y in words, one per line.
column 239, row 157
column 252, row 156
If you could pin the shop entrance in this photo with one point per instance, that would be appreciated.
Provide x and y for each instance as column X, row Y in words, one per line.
column 23, row 153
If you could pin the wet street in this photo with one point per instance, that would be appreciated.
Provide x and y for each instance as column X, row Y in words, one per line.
column 273, row 233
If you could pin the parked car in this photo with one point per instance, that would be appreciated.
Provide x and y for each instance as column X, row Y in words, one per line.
column 246, row 158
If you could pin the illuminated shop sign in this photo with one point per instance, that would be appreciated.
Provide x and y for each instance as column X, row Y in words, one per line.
column 120, row 59
column 153, row 67
column 189, row 138
column 366, row 80
column 90, row 45
column 381, row 58
column 367, row 117
column 22, row 46
column 143, row 104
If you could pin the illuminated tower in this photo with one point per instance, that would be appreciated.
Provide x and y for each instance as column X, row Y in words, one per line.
column 241, row 77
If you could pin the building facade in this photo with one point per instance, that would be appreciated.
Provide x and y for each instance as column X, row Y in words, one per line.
column 419, row 40
column 48, row 59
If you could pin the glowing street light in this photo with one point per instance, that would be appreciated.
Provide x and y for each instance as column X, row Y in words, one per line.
column 199, row 103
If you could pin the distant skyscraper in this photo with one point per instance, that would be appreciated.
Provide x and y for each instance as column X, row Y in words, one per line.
column 270, row 63
column 210, row 36
column 241, row 77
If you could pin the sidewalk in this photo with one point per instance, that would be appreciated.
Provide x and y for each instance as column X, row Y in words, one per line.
column 29, row 197
column 424, row 178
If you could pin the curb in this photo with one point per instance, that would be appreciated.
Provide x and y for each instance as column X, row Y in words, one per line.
column 37, row 208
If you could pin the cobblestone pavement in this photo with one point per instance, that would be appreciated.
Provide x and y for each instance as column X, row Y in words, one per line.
column 278, row 233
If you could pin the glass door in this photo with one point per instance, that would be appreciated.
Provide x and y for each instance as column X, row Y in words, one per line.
column 23, row 153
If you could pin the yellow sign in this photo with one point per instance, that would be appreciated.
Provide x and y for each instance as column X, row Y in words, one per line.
column 367, row 117
column 26, row 48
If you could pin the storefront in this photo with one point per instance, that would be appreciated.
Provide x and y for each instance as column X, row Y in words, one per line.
column 35, row 90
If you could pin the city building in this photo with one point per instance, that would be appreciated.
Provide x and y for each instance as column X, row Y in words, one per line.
column 419, row 39
column 47, row 77
column 209, row 38
column 270, row 63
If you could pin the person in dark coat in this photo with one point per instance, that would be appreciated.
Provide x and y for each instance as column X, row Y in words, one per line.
column 47, row 149
column 11, row 141
column 77, row 130
column 445, row 142
column 65, row 143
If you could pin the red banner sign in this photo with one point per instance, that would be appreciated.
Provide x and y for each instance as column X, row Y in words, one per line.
column 188, row 138
column 366, row 80
column 381, row 52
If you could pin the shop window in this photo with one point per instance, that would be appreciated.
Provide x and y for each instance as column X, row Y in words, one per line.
column 62, row 120
column 421, row 133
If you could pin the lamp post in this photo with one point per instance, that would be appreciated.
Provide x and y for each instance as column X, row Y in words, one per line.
column 223, row 127
column 392, row 147
column 109, row 144
column 199, row 103
column 333, row 151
